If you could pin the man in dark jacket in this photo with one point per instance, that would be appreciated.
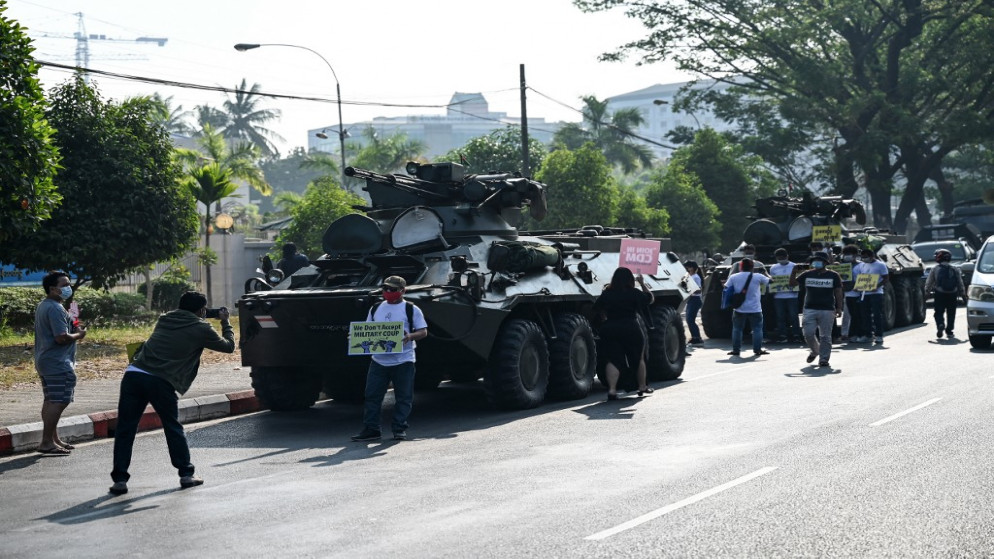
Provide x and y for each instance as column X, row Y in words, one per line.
column 166, row 364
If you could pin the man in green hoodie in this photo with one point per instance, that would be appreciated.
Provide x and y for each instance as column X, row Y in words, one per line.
column 166, row 364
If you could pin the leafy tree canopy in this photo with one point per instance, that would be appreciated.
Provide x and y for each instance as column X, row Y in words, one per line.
column 694, row 218
column 29, row 158
column 247, row 119
column 287, row 175
column 123, row 207
column 324, row 202
column 579, row 188
column 634, row 211
column 611, row 132
column 498, row 151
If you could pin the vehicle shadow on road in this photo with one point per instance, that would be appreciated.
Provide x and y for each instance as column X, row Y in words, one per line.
column 91, row 510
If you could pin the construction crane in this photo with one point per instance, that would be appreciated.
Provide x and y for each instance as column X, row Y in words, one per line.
column 83, row 39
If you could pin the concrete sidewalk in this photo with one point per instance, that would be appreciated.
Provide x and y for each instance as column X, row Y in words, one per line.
column 219, row 390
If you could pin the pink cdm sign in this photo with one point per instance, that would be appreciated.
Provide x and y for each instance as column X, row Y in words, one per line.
column 640, row 255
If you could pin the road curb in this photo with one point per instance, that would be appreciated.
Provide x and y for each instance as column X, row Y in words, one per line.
column 98, row 425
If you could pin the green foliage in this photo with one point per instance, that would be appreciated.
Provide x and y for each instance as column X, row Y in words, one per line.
column 324, row 202
column 386, row 155
column 611, row 132
column 123, row 207
column 694, row 218
column 287, row 175
column 247, row 119
column 634, row 211
column 972, row 171
column 18, row 304
column 236, row 160
column 29, row 158
column 579, row 188
column 166, row 292
column 498, row 151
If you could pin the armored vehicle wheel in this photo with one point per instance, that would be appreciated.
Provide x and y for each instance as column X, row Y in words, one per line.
column 347, row 384
column 666, row 345
column 903, row 301
column 890, row 312
column 717, row 324
column 518, row 375
column 286, row 388
column 918, row 312
column 980, row 342
column 572, row 358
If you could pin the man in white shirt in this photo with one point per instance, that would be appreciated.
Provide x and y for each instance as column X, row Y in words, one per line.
column 751, row 310
column 872, row 301
column 785, row 299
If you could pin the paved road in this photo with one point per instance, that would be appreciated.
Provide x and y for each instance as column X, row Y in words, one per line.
column 887, row 454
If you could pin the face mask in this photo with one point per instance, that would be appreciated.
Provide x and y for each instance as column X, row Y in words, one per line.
column 750, row 254
column 868, row 260
column 817, row 264
column 392, row 296
column 783, row 262
column 847, row 258
column 66, row 292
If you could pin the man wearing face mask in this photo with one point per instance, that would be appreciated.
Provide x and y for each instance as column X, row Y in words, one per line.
column 55, row 359
column 851, row 316
column 872, row 301
column 785, row 301
column 167, row 363
column 749, row 251
column 396, row 368
column 821, row 291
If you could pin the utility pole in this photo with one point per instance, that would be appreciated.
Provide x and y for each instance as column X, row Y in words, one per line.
column 525, row 162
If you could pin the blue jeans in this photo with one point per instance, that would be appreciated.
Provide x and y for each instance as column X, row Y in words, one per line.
column 787, row 325
column 738, row 325
column 693, row 307
column 379, row 377
column 137, row 391
column 873, row 315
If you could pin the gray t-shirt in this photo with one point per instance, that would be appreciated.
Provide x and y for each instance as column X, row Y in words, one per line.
column 52, row 320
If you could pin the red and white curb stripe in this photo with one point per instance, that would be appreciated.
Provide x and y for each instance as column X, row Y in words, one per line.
column 20, row 438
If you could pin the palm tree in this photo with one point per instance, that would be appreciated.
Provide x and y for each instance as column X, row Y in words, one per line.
column 387, row 155
column 174, row 120
column 209, row 183
column 239, row 160
column 207, row 115
column 612, row 133
column 246, row 119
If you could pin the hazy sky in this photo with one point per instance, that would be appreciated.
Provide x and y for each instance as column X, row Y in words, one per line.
column 383, row 51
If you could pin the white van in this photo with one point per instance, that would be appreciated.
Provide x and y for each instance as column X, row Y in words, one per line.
column 980, row 306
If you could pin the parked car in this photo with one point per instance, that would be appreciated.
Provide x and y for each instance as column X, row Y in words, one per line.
column 962, row 240
column 980, row 298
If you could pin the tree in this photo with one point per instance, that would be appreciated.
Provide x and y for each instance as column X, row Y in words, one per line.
column 634, row 211
column 324, row 202
column 123, row 207
column 173, row 119
column 29, row 159
column 498, row 151
column 209, row 183
column 207, row 115
column 247, row 120
column 612, row 133
column 579, row 188
column 730, row 178
column 288, row 175
column 693, row 217
column 239, row 160
column 387, row 155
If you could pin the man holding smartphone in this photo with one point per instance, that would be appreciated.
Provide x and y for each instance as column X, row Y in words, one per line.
column 167, row 363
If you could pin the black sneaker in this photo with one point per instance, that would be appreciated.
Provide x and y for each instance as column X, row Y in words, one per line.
column 119, row 488
column 400, row 435
column 823, row 363
column 695, row 341
column 760, row 352
column 733, row 353
column 949, row 334
column 811, row 357
column 187, row 482
column 367, row 434
column 938, row 333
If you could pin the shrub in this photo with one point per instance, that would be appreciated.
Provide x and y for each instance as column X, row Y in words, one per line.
column 166, row 292
column 18, row 304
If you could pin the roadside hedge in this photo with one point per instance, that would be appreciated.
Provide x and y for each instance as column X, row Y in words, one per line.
column 166, row 292
column 18, row 304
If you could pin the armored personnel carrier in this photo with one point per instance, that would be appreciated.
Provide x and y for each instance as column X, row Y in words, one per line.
column 788, row 222
column 505, row 306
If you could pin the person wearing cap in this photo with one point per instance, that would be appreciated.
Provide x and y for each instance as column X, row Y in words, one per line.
column 821, row 291
column 945, row 283
column 694, row 302
column 397, row 367
column 872, row 301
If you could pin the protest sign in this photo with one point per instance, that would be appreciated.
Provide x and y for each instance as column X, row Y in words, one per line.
column 826, row 234
column 640, row 255
column 368, row 338
column 867, row 282
column 844, row 270
column 780, row 284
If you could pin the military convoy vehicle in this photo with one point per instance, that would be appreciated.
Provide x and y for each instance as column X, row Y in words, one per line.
column 788, row 222
column 509, row 307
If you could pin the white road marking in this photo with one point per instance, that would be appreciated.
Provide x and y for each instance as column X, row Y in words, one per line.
column 678, row 505
column 905, row 412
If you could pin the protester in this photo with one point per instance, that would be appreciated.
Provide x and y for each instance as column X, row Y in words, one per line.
column 945, row 283
column 621, row 336
column 785, row 299
column 396, row 368
column 821, row 291
column 292, row 260
column 871, row 301
column 751, row 310
column 694, row 302
column 55, row 359
column 165, row 364
column 852, row 314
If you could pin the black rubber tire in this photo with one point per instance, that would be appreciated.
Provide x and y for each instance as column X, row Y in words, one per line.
column 981, row 342
column 667, row 343
column 518, row 374
column 286, row 388
column 348, row 384
column 918, row 311
column 717, row 324
column 890, row 312
column 572, row 358
column 903, row 301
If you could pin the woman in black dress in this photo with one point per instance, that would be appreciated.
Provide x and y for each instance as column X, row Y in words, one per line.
column 621, row 336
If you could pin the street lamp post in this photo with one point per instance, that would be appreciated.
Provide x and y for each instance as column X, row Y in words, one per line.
column 242, row 47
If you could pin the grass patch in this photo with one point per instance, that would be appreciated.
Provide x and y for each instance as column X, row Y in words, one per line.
column 101, row 354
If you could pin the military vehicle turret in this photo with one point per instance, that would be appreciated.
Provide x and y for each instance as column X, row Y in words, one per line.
column 788, row 222
column 506, row 306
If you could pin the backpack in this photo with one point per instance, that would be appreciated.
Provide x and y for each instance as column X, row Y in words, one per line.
column 410, row 312
column 945, row 279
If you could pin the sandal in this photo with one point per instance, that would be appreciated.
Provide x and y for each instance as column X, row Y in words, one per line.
column 612, row 397
column 646, row 390
column 67, row 446
column 57, row 451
